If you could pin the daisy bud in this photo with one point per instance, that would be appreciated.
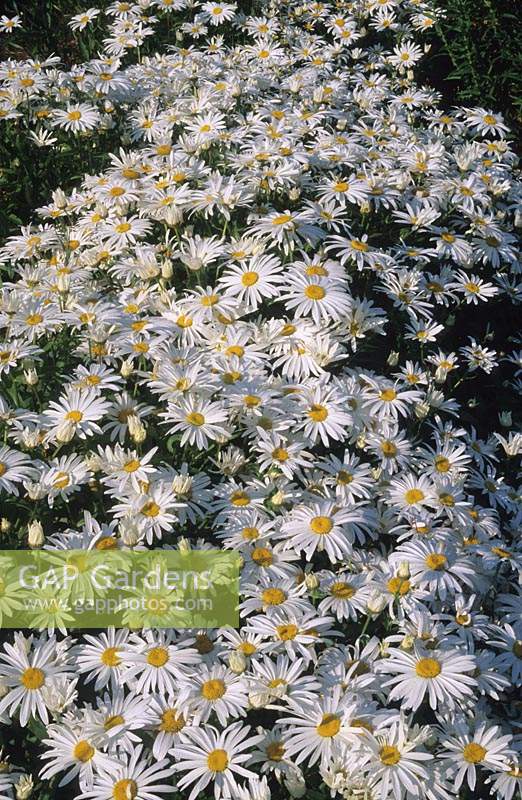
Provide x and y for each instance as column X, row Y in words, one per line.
column 518, row 219
column 93, row 462
column 404, row 570
column 166, row 269
column 24, row 787
column 311, row 581
column 505, row 419
column 360, row 442
column 35, row 491
column 127, row 368
column 31, row 377
column 376, row 603
column 407, row 643
column 36, row 536
column 237, row 662
column 440, row 375
column 295, row 783
column 278, row 498
column 259, row 699
column 136, row 429
column 294, row 193
column 129, row 532
column 5, row 525
column 31, row 439
column 65, row 432
column 3, row 691
column 422, row 410
column 393, row 359
column 184, row 545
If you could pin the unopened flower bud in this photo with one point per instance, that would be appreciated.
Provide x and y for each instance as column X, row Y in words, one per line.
column 404, row 570
column 393, row 359
column 24, row 787
column 311, row 581
column 129, row 531
column 505, row 419
column 408, row 642
column 166, row 269
column 422, row 410
column 376, row 603
column 127, row 368
column 65, row 432
column 184, row 545
column 31, row 377
column 35, row 533
column 237, row 662
column 5, row 525
column 136, row 429
column 295, row 783
column 259, row 699
column 278, row 498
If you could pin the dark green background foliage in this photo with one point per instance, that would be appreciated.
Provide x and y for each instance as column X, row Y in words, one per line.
column 476, row 56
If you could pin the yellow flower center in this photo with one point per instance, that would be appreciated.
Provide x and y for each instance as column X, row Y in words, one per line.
column 442, row 464
column 34, row 319
column 280, row 454
column 250, row 534
column 113, row 722
column 273, row 597
column 361, row 247
column 33, row 678
column 61, row 481
column 342, row 590
column 473, row 753
column 388, row 395
column 213, row 689
column 123, row 227
column 74, row 115
column 83, row 751
column 286, row 633
column 150, row 509
column 262, row 556
column 275, row 751
column 217, row 760
column 282, row 219
column 132, row 465
column 74, row 416
column 317, row 412
column 321, row 525
column 413, row 496
column 398, row 585
column 171, row 722
column 428, row 668
column 110, row 658
column 436, row 561
column 314, row 292
column 158, row 657
column 329, row 726
column 389, row 755
column 388, row 449
column 125, row 789
column 195, row 418
column 249, row 278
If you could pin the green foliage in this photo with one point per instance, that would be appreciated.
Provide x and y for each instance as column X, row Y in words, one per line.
column 476, row 58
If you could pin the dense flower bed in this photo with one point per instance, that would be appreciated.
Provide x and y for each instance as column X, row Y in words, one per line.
column 281, row 321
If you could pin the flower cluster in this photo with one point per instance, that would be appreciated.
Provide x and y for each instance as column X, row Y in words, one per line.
column 278, row 322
